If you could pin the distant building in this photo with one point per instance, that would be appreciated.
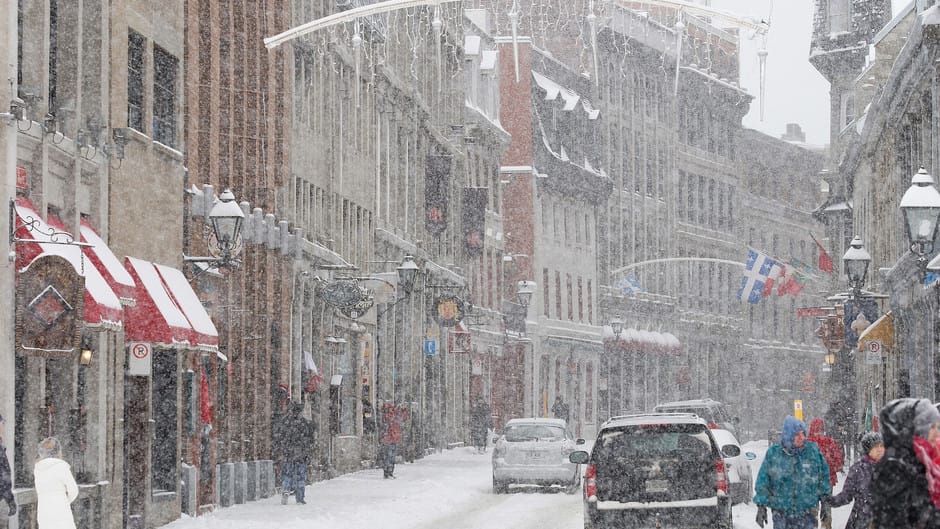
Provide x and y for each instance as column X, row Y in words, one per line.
column 794, row 133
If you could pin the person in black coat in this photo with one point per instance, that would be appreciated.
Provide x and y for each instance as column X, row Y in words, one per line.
column 857, row 485
column 6, row 476
column 900, row 497
column 481, row 421
column 296, row 440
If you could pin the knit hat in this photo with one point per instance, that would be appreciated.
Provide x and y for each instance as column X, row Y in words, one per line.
column 871, row 440
column 925, row 416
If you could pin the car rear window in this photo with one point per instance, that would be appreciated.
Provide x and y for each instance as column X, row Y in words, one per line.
column 653, row 440
column 534, row 432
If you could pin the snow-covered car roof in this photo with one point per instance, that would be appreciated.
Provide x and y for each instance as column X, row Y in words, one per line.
column 655, row 418
column 537, row 420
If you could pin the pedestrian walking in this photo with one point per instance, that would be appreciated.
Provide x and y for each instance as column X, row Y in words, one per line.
column 55, row 487
column 857, row 486
column 792, row 481
column 392, row 419
column 297, row 439
column 6, row 475
column 905, row 486
column 481, row 421
column 830, row 448
column 560, row 409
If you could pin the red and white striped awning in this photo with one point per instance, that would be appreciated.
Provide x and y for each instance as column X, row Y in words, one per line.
column 102, row 306
column 166, row 310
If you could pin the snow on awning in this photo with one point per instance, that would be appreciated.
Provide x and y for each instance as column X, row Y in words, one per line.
column 551, row 88
column 471, row 45
column 156, row 318
column 591, row 111
column 102, row 306
column 882, row 330
column 205, row 336
column 108, row 264
column 488, row 60
column 838, row 206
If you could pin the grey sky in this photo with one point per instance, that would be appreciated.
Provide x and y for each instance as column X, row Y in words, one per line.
column 795, row 91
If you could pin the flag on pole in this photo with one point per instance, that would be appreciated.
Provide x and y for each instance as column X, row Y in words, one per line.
column 776, row 274
column 313, row 373
column 871, row 418
column 825, row 262
column 757, row 269
column 630, row 285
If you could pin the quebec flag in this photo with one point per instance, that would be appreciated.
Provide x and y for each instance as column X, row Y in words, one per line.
column 757, row 269
column 629, row 285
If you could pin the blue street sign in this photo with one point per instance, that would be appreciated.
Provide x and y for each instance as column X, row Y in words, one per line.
column 430, row 347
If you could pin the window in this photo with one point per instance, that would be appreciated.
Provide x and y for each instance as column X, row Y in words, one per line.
column 135, row 80
column 840, row 19
column 164, row 96
column 588, row 392
column 848, row 109
column 580, row 299
column 558, row 295
column 546, row 300
column 569, row 291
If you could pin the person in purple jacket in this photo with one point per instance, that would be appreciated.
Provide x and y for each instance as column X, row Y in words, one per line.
column 857, row 483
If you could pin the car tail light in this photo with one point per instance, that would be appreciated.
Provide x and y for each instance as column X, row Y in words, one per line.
column 713, row 426
column 721, row 478
column 590, row 483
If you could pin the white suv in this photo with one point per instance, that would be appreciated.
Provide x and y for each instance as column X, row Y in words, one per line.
column 655, row 470
column 714, row 412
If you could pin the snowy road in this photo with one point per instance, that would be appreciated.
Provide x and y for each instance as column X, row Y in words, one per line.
column 451, row 490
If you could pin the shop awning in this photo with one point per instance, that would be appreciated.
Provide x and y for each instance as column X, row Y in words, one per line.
column 205, row 336
column 156, row 318
column 108, row 264
column 102, row 306
column 882, row 330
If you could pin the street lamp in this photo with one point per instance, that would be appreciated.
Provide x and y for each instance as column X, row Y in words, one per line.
column 616, row 325
column 524, row 291
column 226, row 218
column 407, row 274
column 856, row 261
column 920, row 206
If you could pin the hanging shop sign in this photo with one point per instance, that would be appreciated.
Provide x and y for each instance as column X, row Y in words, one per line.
column 348, row 296
column 449, row 309
column 50, row 298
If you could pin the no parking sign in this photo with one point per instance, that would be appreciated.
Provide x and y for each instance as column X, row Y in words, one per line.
column 138, row 362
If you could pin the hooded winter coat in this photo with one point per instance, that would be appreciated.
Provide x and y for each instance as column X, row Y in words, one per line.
column 900, row 497
column 792, row 480
column 857, row 488
column 829, row 447
column 55, row 491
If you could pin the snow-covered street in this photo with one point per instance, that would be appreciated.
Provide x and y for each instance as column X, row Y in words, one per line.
column 449, row 490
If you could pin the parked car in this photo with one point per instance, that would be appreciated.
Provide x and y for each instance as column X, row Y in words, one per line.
column 655, row 470
column 535, row 452
column 740, row 480
column 712, row 411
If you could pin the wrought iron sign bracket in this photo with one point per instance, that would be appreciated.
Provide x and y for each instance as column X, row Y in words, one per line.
column 31, row 224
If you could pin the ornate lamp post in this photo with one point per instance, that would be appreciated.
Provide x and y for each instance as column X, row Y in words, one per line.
column 524, row 292
column 856, row 261
column 920, row 206
column 226, row 218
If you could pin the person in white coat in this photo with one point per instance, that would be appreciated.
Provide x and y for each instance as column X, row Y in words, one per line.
column 55, row 487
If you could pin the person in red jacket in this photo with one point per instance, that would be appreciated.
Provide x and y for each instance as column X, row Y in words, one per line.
column 392, row 419
column 831, row 450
